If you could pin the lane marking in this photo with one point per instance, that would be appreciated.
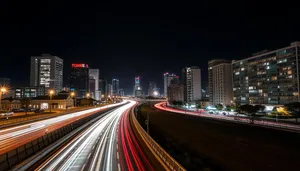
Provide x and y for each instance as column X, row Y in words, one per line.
column 118, row 155
column 119, row 167
column 89, row 156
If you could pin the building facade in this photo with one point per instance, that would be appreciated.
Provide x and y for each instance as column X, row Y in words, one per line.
column 167, row 80
column 103, row 88
column 268, row 77
column 152, row 88
column 109, row 90
column 115, row 87
column 220, row 82
column 79, row 79
column 94, row 75
column 192, row 84
column 175, row 92
column 47, row 70
column 29, row 92
column 137, row 89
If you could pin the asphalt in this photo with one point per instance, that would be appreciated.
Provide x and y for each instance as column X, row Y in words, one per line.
column 201, row 143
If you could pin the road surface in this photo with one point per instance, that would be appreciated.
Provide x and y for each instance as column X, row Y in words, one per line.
column 94, row 149
column 11, row 138
column 264, row 123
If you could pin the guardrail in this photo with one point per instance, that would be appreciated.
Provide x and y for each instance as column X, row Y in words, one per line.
column 167, row 161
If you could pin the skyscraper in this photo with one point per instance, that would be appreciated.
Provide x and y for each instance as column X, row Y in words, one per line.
column 167, row 80
column 175, row 92
column 94, row 86
column 103, row 87
column 220, row 82
column 109, row 90
column 137, row 90
column 47, row 70
column 152, row 88
column 268, row 77
column 79, row 79
column 115, row 87
column 192, row 83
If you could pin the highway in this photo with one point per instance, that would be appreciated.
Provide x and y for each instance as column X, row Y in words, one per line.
column 263, row 123
column 11, row 138
column 93, row 149
column 132, row 156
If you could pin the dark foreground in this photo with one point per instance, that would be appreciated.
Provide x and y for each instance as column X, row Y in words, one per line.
column 202, row 144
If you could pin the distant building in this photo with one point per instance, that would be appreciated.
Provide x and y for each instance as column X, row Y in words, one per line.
column 92, row 87
column 152, row 89
column 103, row 87
column 29, row 92
column 115, row 87
column 175, row 92
column 109, row 90
column 94, row 75
column 121, row 92
column 139, row 93
column 220, row 82
column 192, row 84
column 79, row 79
column 167, row 80
column 57, row 102
column 47, row 70
column 268, row 77
column 137, row 90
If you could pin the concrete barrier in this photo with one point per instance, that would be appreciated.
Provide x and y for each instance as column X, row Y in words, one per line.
column 166, row 160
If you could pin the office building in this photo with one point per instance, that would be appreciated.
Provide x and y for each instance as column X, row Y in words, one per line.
column 94, row 84
column 115, row 87
column 268, row 77
column 29, row 92
column 79, row 79
column 175, row 92
column 192, row 84
column 47, row 70
column 109, row 90
column 103, row 88
column 220, row 82
column 121, row 92
column 152, row 89
column 137, row 90
column 167, row 80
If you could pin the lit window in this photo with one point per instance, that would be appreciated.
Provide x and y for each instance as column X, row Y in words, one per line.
column 242, row 69
column 246, row 78
column 268, row 67
column 251, row 88
column 260, row 90
column 274, row 78
column 210, row 67
column 237, row 73
column 289, row 72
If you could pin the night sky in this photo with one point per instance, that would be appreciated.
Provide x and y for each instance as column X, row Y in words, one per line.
column 147, row 39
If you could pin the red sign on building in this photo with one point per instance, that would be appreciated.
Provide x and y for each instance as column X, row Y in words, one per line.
column 80, row 66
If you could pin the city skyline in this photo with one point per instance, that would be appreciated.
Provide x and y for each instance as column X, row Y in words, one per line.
column 132, row 38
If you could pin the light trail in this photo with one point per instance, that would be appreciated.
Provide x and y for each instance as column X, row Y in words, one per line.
column 270, row 124
column 93, row 149
column 12, row 138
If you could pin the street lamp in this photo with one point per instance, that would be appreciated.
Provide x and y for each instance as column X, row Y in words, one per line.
column 51, row 92
column 2, row 91
column 88, row 95
column 74, row 100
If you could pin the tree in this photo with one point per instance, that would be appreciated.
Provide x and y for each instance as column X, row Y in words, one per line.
column 219, row 106
column 293, row 109
column 228, row 108
column 251, row 111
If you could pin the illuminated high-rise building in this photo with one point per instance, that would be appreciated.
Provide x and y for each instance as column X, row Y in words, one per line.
column 47, row 70
column 79, row 79
column 192, row 84
column 167, row 81
column 137, row 90
column 115, row 87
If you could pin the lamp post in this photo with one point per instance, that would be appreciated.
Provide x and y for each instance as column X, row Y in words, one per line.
column 87, row 95
column 2, row 91
column 73, row 95
column 51, row 92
